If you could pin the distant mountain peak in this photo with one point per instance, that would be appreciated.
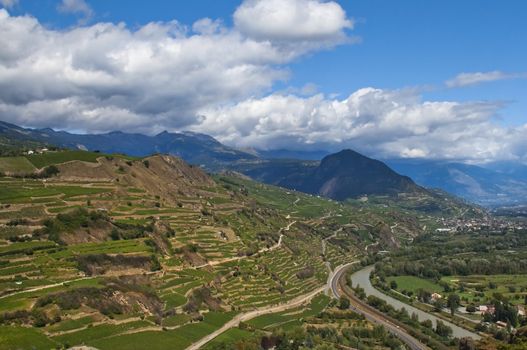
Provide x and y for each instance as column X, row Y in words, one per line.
column 349, row 174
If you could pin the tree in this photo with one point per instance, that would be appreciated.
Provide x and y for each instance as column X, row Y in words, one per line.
column 156, row 266
column 471, row 308
column 439, row 305
column 466, row 344
column 442, row 329
column 393, row 284
column 344, row 303
column 453, row 303
column 423, row 295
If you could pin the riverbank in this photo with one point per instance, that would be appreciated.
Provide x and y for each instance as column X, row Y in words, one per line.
column 362, row 278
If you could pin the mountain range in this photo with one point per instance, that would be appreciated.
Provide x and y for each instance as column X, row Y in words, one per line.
column 195, row 148
column 341, row 175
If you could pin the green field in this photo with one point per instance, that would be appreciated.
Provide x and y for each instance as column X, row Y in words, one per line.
column 16, row 338
column 412, row 284
column 17, row 165
column 513, row 287
column 229, row 337
column 53, row 158
column 177, row 339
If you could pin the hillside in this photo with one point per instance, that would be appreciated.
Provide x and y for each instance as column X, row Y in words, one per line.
column 80, row 248
column 494, row 185
column 348, row 174
column 14, row 140
column 194, row 148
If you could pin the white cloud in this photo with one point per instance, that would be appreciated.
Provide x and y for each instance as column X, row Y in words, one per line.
column 292, row 20
column 156, row 77
column 161, row 72
column 466, row 79
column 79, row 7
column 8, row 3
column 214, row 79
column 379, row 122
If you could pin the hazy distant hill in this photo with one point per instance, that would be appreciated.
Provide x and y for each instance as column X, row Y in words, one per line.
column 194, row 148
column 14, row 140
column 499, row 184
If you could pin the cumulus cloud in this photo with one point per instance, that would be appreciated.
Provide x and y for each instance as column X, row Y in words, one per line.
column 161, row 72
column 155, row 77
column 77, row 7
column 217, row 79
column 466, row 79
column 384, row 123
column 8, row 3
column 299, row 21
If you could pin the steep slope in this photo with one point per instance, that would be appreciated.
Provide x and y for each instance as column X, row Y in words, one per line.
column 348, row 174
column 166, row 177
column 15, row 140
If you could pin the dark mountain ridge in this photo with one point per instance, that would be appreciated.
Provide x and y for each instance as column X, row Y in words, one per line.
column 349, row 174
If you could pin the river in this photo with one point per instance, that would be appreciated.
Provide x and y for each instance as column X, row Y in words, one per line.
column 362, row 278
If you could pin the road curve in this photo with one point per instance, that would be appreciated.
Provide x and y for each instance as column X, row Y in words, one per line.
column 369, row 313
column 255, row 313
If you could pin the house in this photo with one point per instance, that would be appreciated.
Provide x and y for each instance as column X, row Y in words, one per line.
column 521, row 310
column 30, row 152
column 443, row 230
column 436, row 296
column 486, row 309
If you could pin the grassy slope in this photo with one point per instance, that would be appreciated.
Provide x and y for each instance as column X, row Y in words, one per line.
column 244, row 209
column 48, row 264
column 16, row 164
column 51, row 158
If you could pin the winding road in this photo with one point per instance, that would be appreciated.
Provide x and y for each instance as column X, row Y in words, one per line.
column 255, row 313
column 263, row 250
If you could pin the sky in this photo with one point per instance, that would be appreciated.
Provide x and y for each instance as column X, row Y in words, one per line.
column 437, row 79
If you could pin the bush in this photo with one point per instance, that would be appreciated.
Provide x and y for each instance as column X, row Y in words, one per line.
column 443, row 330
column 344, row 303
column 50, row 171
column 306, row 272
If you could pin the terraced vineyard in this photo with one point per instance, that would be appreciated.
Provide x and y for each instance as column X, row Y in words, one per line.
column 117, row 253
column 112, row 251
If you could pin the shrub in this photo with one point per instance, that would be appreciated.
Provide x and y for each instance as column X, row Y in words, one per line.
column 306, row 272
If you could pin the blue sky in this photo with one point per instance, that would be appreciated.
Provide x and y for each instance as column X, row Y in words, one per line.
column 407, row 45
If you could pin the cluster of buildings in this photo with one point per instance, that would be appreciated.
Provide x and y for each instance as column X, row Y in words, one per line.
column 487, row 223
column 37, row 151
